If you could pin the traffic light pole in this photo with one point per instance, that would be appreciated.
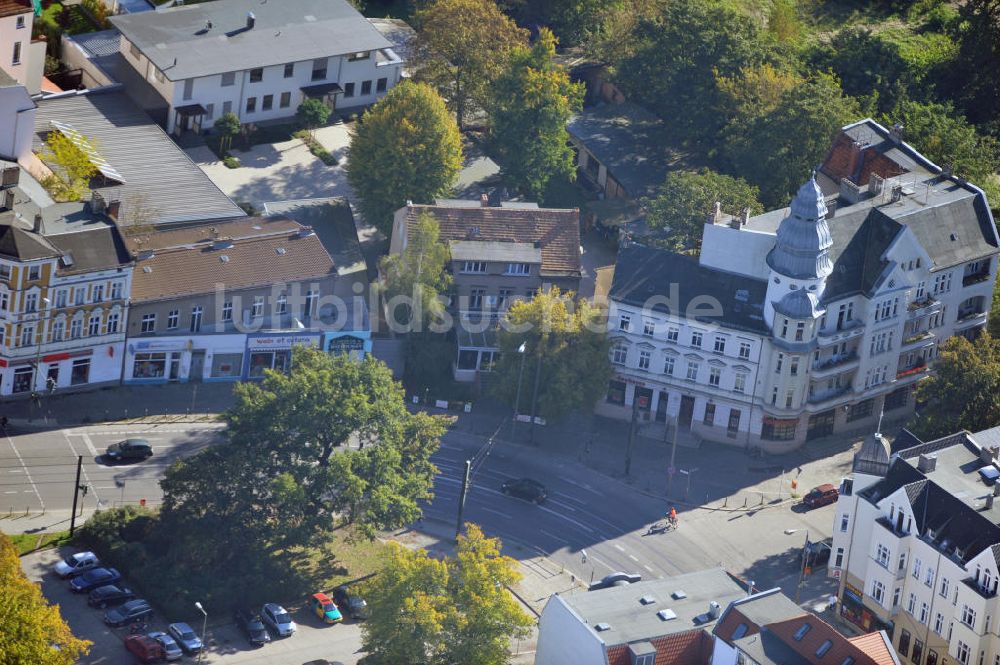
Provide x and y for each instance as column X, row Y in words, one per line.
column 461, row 498
column 76, row 492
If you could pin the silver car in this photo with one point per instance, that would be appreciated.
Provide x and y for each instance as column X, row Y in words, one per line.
column 278, row 619
column 186, row 637
column 170, row 648
column 77, row 563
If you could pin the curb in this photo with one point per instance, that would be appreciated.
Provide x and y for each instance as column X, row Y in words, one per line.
column 39, row 425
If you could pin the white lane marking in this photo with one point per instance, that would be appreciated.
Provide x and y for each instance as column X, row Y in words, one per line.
column 86, row 476
column 90, row 444
column 591, row 557
column 618, row 547
column 562, row 505
column 584, row 486
column 26, row 472
column 17, row 470
column 571, row 521
column 647, row 568
column 495, row 512
column 634, row 558
column 567, row 497
column 11, row 492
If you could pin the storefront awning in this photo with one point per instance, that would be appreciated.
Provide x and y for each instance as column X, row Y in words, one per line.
column 321, row 90
column 190, row 110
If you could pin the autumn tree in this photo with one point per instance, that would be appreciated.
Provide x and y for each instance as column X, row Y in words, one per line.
column 455, row 610
column 685, row 200
column 964, row 391
column 565, row 356
column 462, row 47
column 418, row 275
column 34, row 632
column 533, row 100
column 407, row 147
column 71, row 167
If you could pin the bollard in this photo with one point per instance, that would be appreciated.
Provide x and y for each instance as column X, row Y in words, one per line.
column 725, row 502
column 761, row 499
column 27, row 509
column 745, row 501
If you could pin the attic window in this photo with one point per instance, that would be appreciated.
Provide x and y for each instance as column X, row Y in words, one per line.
column 601, row 627
column 667, row 615
column 801, row 632
column 281, row 251
column 678, row 595
column 224, row 258
column 147, row 269
column 67, row 260
column 848, row 661
column 823, row 648
column 647, row 600
column 740, row 631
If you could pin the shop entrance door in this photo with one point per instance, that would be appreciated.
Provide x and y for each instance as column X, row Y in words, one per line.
column 687, row 411
column 197, row 370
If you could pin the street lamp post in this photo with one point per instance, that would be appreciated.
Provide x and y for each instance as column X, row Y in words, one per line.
column 204, row 625
column 802, row 566
column 517, row 400
column 534, row 397
column 36, row 384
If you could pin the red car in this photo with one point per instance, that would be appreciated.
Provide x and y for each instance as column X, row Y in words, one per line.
column 821, row 496
column 145, row 648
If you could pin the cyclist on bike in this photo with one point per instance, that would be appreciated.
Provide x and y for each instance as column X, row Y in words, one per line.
column 672, row 516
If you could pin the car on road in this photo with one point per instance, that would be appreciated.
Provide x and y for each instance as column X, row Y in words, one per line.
column 109, row 595
column 616, row 579
column 252, row 626
column 129, row 450
column 77, row 563
column 817, row 553
column 278, row 619
column 171, row 651
column 354, row 605
column 323, row 661
column 525, row 489
column 145, row 648
column 821, row 496
column 323, row 607
column 94, row 578
column 186, row 637
column 130, row 612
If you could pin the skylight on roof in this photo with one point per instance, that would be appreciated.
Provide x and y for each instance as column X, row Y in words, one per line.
column 740, row 631
column 801, row 632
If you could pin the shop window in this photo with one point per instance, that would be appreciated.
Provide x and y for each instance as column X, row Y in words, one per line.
column 149, row 365
column 80, row 372
column 616, row 392
column 22, row 380
column 468, row 358
column 227, row 365
column 776, row 429
column 861, row 410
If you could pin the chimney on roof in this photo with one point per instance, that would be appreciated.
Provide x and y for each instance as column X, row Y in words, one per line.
column 713, row 610
column 8, row 199
column 996, row 489
column 114, row 209
column 484, row 200
column 989, row 502
column 831, row 208
column 876, row 184
column 37, row 226
column 896, row 134
column 251, row 20
column 896, row 194
column 96, row 202
column 11, row 176
column 946, row 170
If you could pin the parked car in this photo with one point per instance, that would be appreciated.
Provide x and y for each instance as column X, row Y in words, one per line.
column 525, row 489
column 145, row 648
column 77, row 563
column 129, row 450
column 354, row 605
column 616, row 579
column 94, row 578
column 325, row 608
column 130, row 612
column 817, row 553
column 252, row 626
column 278, row 619
column 821, row 496
column 109, row 595
column 186, row 637
column 171, row 651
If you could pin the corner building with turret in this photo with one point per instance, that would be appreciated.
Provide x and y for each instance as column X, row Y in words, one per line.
column 810, row 320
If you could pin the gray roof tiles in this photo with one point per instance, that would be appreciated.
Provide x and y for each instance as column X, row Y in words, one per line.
column 179, row 43
column 162, row 184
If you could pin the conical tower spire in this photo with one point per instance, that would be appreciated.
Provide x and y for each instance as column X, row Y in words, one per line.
column 802, row 249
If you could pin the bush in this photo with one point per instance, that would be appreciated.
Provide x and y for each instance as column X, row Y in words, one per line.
column 231, row 162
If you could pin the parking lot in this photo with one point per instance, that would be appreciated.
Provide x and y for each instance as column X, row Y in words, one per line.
column 226, row 645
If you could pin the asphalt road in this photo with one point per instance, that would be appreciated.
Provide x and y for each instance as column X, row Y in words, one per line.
column 589, row 512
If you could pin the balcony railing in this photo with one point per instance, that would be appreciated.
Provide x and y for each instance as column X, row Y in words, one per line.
column 922, row 306
column 834, row 361
column 975, row 278
column 969, row 314
column 819, row 397
column 916, row 338
column 910, row 371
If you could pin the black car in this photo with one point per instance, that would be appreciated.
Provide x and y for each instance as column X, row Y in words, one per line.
column 92, row 579
column 129, row 450
column 524, row 488
column 352, row 604
column 130, row 612
column 252, row 626
column 109, row 595
column 615, row 579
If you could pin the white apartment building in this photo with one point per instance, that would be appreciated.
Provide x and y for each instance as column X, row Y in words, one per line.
column 809, row 320
column 256, row 59
column 65, row 278
column 20, row 57
column 18, row 120
column 916, row 546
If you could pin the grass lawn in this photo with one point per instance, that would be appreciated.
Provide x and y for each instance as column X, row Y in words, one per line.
column 348, row 557
column 29, row 542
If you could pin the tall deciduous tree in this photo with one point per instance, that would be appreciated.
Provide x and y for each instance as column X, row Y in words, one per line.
column 407, row 147
column 312, row 113
column 33, row 630
column 331, row 440
column 976, row 82
column 777, row 150
column 566, row 350
column 686, row 198
column 462, row 46
column 456, row 610
column 571, row 20
column 533, row 101
column 964, row 391
column 419, row 274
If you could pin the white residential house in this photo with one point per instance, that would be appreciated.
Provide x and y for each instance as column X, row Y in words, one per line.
column 813, row 319
column 916, row 545
column 256, row 59
column 17, row 122
column 20, row 57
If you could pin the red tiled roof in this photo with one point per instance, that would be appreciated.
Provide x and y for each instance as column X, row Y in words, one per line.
column 693, row 647
column 875, row 647
column 731, row 621
column 13, row 7
column 49, row 86
column 556, row 230
column 846, row 160
column 820, row 632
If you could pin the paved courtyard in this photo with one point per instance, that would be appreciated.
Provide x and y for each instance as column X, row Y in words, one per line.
column 280, row 171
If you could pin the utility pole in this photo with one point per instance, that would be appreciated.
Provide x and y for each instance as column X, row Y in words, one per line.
column 76, row 491
column 802, row 568
column 517, row 400
column 534, row 397
column 631, row 432
column 461, row 498
column 673, row 454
